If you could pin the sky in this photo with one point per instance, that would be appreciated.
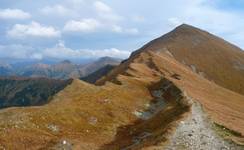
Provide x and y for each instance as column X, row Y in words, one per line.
column 79, row 29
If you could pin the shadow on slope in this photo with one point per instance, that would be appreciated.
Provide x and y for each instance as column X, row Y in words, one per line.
column 155, row 121
column 93, row 77
column 15, row 91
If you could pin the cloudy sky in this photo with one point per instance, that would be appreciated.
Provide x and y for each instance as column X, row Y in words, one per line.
column 94, row 28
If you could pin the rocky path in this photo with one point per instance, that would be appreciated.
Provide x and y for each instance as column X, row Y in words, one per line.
column 196, row 133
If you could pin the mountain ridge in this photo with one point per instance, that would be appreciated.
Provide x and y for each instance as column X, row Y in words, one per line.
column 221, row 54
column 137, row 105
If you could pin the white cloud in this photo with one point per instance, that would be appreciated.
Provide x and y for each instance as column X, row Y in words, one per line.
column 84, row 25
column 132, row 31
column 138, row 18
column 174, row 21
column 14, row 51
column 56, row 9
column 110, row 17
column 102, row 7
column 150, row 19
column 19, row 51
column 61, row 51
column 14, row 14
column 36, row 56
column 102, row 17
column 204, row 14
column 106, row 13
column 33, row 29
column 119, row 29
column 66, row 9
column 93, row 25
column 76, row 2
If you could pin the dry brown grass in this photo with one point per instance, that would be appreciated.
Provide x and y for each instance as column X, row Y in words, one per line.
column 219, row 60
column 126, row 89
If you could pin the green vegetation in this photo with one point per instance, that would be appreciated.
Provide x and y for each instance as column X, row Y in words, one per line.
column 225, row 132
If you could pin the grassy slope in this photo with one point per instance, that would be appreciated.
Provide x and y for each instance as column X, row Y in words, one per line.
column 93, row 77
column 219, row 60
column 70, row 111
column 28, row 91
column 112, row 105
column 225, row 106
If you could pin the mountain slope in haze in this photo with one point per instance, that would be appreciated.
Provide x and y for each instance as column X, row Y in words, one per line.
column 137, row 106
column 15, row 91
column 100, row 63
column 35, row 70
column 5, row 69
column 64, row 69
column 61, row 70
column 93, row 77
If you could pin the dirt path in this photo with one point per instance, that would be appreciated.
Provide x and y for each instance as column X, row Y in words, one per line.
column 196, row 133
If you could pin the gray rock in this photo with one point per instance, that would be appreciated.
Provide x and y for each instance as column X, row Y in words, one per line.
column 196, row 132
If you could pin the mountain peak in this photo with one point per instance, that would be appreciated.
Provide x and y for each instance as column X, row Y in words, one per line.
column 108, row 59
column 185, row 28
column 66, row 62
column 105, row 58
column 41, row 65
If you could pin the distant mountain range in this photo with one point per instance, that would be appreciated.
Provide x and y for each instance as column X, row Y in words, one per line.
column 62, row 70
column 34, row 84
column 5, row 69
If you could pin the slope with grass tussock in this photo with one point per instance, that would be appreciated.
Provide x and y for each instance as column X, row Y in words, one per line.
column 137, row 105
